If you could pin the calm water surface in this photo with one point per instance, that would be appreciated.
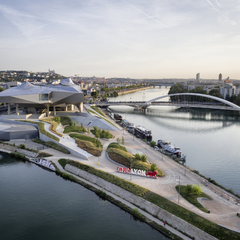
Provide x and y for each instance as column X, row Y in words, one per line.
column 209, row 138
column 38, row 204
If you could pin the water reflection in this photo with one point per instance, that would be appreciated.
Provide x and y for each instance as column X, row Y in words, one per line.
column 184, row 120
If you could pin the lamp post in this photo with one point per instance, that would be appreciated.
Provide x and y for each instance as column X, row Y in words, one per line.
column 130, row 171
column 179, row 189
column 185, row 166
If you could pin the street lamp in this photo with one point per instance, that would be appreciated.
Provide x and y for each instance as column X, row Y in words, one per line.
column 185, row 165
column 179, row 189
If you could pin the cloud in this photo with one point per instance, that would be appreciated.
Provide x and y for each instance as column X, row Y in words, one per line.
column 32, row 30
column 150, row 17
column 210, row 3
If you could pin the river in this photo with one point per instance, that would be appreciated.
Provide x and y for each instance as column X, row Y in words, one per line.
column 38, row 204
column 209, row 138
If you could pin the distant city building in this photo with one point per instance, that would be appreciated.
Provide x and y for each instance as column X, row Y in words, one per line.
column 198, row 77
column 220, row 77
column 227, row 89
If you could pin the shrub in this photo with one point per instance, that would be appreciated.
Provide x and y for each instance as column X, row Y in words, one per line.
column 153, row 167
column 22, row 146
column 142, row 157
column 116, row 145
column 89, row 147
column 123, row 141
column 95, row 141
column 101, row 133
column 152, row 143
column 57, row 119
column 194, row 189
column 69, row 129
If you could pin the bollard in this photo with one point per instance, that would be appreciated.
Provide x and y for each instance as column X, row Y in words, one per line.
column 237, row 214
column 208, row 210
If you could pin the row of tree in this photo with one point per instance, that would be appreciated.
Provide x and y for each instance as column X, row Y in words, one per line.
column 178, row 88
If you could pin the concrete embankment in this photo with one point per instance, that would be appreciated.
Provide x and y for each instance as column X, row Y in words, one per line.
column 154, row 210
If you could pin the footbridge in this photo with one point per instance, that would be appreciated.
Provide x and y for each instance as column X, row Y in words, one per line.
column 220, row 104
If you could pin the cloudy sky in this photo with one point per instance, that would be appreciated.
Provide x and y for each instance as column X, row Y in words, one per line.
column 122, row 38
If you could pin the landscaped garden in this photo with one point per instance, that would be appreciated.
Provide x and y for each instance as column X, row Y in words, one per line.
column 119, row 154
column 101, row 133
column 191, row 193
column 89, row 144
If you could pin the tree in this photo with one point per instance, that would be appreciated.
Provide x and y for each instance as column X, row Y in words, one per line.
column 118, row 140
column 144, row 158
column 153, row 167
column 237, row 100
column 194, row 189
column 94, row 94
column 123, row 141
column 97, row 134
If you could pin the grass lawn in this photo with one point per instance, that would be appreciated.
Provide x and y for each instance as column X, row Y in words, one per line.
column 79, row 129
column 103, row 118
column 97, row 110
column 193, row 198
column 65, row 120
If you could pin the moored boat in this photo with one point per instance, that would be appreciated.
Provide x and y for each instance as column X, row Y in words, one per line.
column 168, row 146
column 144, row 133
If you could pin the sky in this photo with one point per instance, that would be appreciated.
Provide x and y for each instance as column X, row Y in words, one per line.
column 122, row 38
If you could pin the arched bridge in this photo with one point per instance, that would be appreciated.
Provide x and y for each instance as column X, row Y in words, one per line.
column 144, row 104
column 232, row 105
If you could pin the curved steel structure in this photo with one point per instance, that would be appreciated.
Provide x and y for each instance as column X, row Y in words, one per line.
column 195, row 94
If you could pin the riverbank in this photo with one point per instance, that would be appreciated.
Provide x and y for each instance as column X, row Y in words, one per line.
column 133, row 90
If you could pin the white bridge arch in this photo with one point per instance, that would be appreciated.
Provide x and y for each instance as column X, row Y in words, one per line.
column 195, row 94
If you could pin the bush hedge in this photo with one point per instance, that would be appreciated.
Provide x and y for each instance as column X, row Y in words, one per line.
column 79, row 129
column 52, row 145
column 131, row 187
column 95, row 141
column 89, row 147
column 116, row 145
column 101, row 133
column 97, row 110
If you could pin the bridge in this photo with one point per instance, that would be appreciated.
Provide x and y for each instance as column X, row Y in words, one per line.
column 221, row 104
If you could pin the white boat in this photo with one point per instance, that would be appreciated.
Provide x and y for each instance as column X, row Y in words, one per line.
column 43, row 162
column 144, row 133
column 168, row 146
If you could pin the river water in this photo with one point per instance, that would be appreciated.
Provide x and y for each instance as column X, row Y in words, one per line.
column 209, row 138
column 38, row 204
